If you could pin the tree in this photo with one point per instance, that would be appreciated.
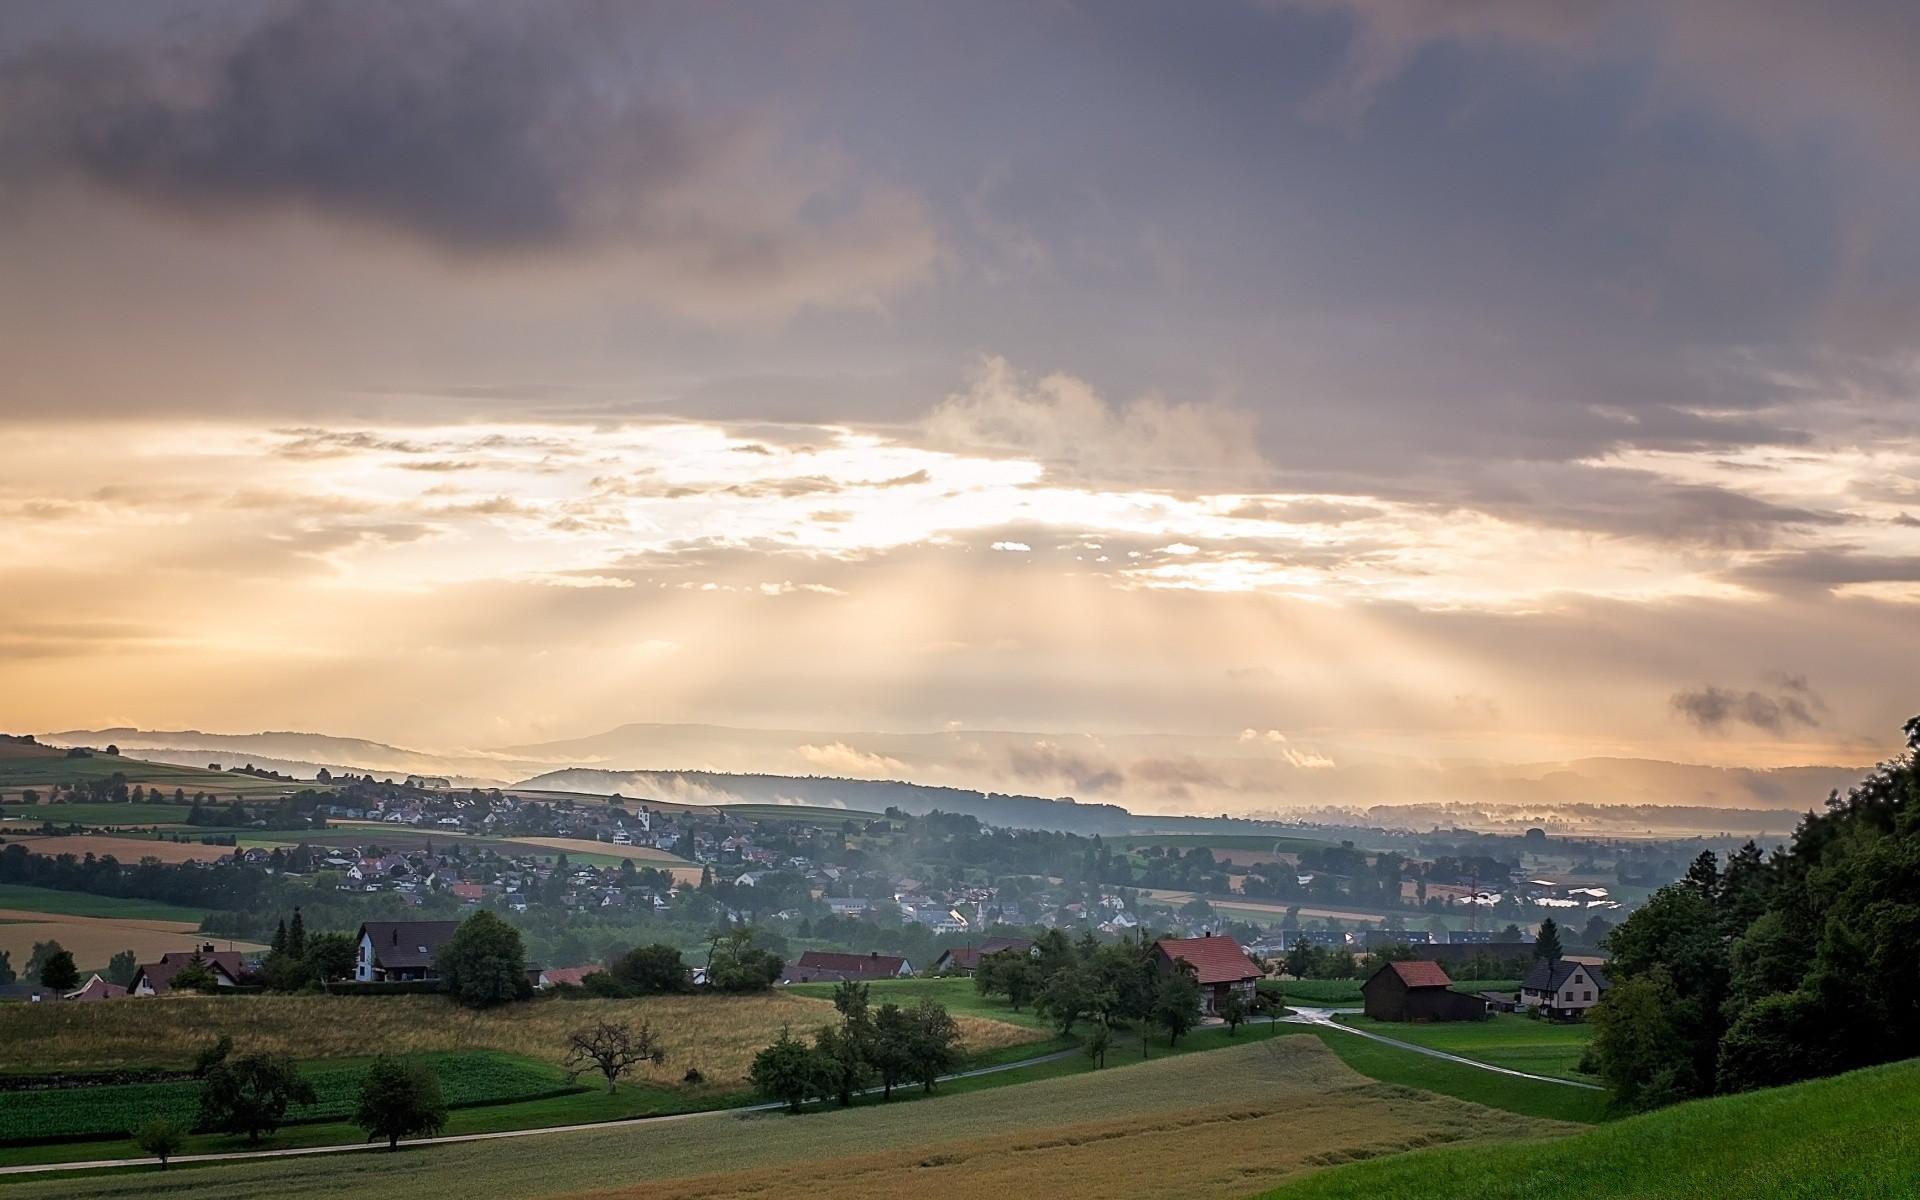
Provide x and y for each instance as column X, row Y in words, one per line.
column 1547, row 944
column 251, row 1095
column 42, row 951
column 121, row 968
column 195, row 976
column 892, row 1052
column 934, row 1042
column 297, row 936
column 652, row 970
column 484, row 963
column 1233, row 1010
column 1177, row 1001
column 735, row 964
column 59, row 972
column 611, row 1048
column 160, row 1138
column 1069, row 995
column 1097, row 1043
column 330, row 955
column 400, row 1099
column 6, row 967
column 1638, row 1047
column 787, row 1071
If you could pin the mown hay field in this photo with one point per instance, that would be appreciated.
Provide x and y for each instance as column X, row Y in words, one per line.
column 1215, row 1125
column 128, row 850
column 94, row 940
column 719, row 1035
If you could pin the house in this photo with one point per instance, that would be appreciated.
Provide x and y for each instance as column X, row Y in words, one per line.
column 1563, row 988
column 468, row 893
column 827, row 966
column 400, row 951
column 847, row 906
column 97, row 988
column 156, row 978
column 1222, row 967
column 573, row 975
column 965, row 960
column 1418, row 990
column 27, row 993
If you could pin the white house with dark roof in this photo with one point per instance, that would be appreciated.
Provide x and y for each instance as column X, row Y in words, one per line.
column 1563, row 988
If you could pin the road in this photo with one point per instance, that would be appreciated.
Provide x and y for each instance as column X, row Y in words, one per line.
column 1324, row 1018
column 103, row 1164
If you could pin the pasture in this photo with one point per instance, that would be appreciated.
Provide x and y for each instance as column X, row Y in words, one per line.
column 719, row 1035
column 1851, row 1137
column 1392, row 1064
column 958, row 994
column 18, row 902
column 1214, row 1125
column 145, row 816
column 1508, row 1040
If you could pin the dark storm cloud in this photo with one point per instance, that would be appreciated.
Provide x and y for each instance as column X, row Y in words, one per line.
column 473, row 126
column 1789, row 703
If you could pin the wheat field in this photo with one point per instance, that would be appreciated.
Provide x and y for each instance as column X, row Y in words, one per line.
column 719, row 1035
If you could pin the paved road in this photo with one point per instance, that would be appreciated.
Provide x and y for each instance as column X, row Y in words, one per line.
column 101, row 1164
column 1324, row 1018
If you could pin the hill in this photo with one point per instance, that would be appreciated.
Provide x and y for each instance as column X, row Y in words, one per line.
column 1850, row 1136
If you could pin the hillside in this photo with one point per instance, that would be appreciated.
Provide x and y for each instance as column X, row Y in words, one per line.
column 1850, row 1136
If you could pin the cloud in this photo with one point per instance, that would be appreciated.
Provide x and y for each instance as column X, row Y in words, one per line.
column 1079, row 437
column 1790, row 704
column 841, row 759
column 482, row 130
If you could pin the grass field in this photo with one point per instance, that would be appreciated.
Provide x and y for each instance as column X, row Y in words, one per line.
column 1229, row 1121
column 40, row 772
column 1391, row 1064
column 717, row 1034
column 17, row 898
column 1223, row 841
column 1318, row 992
column 959, row 995
column 143, row 816
column 1505, row 1039
column 110, row 1111
column 812, row 814
column 1853, row 1137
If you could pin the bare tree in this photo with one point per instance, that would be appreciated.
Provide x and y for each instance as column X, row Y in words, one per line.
column 613, row 1049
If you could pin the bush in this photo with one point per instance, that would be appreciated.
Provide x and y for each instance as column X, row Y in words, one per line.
column 485, row 963
column 400, row 1099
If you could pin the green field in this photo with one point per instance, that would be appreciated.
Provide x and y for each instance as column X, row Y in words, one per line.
column 109, row 1111
column 1317, row 992
column 1391, row 1064
column 83, row 904
column 1261, row 1111
column 812, row 814
column 1508, row 1040
column 1852, row 1137
column 1223, row 841
column 169, row 816
column 959, row 995
column 38, row 772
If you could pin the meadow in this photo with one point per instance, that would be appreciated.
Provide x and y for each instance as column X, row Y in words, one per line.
column 40, row 771
column 718, row 1035
column 109, row 1111
column 18, row 899
column 1223, row 841
column 167, row 816
column 958, row 994
column 1851, row 1137
column 1509, row 1040
column 1391, row 1064
column 1214, row 1126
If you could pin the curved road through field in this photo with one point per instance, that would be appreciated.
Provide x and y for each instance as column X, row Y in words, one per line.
column 1323, row 1018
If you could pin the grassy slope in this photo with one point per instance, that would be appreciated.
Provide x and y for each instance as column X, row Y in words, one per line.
column 1257, row 1112
column 1853, row 1136
column 1505, row 1040
column 17, row 773
column 959, row 995
column 82, row 904
column 1390, row 1064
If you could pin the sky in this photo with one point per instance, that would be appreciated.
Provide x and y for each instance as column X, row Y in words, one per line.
column 1482, row 380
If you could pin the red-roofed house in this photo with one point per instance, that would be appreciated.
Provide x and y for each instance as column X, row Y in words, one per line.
column 97, row 989
column 1418, row 990
column 156, row 978
column 825, row 966
column 965, row 960
column 1222, row 966
column 574, row 975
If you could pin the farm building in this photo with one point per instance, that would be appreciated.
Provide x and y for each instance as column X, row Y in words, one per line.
column 1418, row 991
column 400, row 951
column 965, row 960
column 1222, row 966
column 826, row 966
column 1564, row 988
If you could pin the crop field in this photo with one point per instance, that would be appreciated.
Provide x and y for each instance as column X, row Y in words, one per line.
column 110, row 1111
column 717, row 1034
column 40, row 772
column 811, row 814
column 126, row 849
column 1506, row 1040
column 1852, row 1137
column 1319, row 992
column 1234, row 1120
column 93, row 941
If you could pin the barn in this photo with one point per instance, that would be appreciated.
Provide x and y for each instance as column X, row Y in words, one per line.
column 1418, row 991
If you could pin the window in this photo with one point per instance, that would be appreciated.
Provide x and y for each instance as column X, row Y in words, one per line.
column 1587, row 996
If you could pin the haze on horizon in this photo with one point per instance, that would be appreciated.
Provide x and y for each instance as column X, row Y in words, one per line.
column 1338, row 378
